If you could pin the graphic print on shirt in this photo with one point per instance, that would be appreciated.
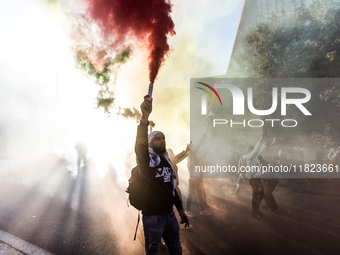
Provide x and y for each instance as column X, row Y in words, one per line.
column 164, row 172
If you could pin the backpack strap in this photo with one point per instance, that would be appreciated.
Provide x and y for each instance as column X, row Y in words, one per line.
column 137, row 226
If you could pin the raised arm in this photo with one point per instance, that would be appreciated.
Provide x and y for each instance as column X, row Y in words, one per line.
column 141, row 146
column 182, row 155
column 256, row 150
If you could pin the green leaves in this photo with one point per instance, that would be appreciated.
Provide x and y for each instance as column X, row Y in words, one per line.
column 105, row 78
column 305, row 44
column 131, row 113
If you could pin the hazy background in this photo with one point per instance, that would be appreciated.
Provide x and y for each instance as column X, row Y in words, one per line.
column 47, row 105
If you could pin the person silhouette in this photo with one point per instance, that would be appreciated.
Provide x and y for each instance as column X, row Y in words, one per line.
column 82, row 149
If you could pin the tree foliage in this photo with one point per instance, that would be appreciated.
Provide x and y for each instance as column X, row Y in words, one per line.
column 305, row 44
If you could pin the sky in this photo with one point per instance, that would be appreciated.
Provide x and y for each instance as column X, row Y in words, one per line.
column 48, row 104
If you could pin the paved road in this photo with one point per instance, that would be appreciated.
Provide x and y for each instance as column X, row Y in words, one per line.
column 67, row 215
column 88, row 215
column 305, row 224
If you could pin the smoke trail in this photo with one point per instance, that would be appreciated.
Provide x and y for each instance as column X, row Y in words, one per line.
column 110, row 66
column 104, row 32
column 145, row 20
column 151, row 123
column 128, row 113
column 102, row 78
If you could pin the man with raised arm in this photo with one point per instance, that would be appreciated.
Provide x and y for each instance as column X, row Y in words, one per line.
column 160, row 182
column 254, row 176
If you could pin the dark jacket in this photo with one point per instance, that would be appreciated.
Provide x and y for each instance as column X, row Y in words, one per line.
column 160, row 195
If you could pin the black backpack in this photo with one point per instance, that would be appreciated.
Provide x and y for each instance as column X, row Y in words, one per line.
column 136, row 189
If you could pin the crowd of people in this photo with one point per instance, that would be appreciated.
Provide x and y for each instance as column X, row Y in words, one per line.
column 158, row 165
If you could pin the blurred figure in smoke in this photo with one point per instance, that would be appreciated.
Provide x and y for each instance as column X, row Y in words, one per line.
column 197, row 184
column 242, row 163
column 334, row 156
column 160, row 194
column 301, row 157
column 82, row 149
column 254, row 176
column 174, row 161
column 270, row 182
column 241, row 179
column 285, row 158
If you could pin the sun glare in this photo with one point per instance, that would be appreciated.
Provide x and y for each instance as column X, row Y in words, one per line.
column 63, row 96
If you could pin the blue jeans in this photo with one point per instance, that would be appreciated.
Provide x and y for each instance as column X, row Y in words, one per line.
column 158, row 226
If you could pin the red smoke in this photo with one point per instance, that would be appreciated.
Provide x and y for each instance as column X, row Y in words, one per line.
column 148, row 21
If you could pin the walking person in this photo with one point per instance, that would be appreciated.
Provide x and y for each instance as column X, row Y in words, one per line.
column 197, row 184
column 254, row 176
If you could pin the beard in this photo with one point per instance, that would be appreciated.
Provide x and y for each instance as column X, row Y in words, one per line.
column 159, row 150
